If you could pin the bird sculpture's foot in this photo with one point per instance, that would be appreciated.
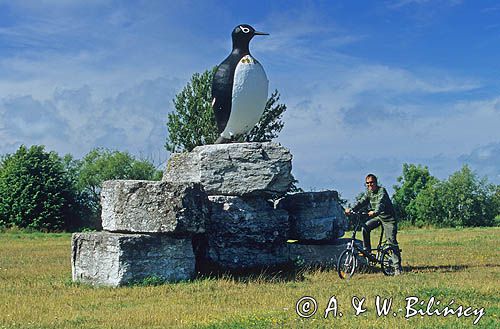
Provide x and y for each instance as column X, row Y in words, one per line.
column 222, row 140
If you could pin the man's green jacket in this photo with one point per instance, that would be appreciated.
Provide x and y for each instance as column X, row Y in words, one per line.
column 379, row 202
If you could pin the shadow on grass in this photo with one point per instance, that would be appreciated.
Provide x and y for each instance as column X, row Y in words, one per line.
column 445, row 268
column 438, row 268
column 285, row 273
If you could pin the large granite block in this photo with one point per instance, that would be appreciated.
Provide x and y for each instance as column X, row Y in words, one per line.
column 154, row 207
column 234, row 169
column 114, row 259
column 314, row 216
column 245, row 233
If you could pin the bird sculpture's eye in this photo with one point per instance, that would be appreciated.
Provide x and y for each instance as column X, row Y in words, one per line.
column 245, row 29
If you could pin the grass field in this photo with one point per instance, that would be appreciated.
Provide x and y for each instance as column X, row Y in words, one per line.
column 459, row 265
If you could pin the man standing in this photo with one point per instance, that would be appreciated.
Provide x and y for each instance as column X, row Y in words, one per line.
column 382, row 212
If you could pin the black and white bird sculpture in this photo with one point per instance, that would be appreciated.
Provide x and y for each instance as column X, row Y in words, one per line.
column 239, row 88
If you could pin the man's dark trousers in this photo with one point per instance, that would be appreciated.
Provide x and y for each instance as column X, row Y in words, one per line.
column 390, row 230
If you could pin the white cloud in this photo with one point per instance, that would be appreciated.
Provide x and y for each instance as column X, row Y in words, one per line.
column 485, row 160
column 108, row 47
column 385, row 79
column 73, row 121
column 373, row 113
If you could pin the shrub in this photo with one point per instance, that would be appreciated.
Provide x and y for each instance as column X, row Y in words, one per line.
column 100, row 165
column 415, row 178
column 462, row 200
column 35, row 191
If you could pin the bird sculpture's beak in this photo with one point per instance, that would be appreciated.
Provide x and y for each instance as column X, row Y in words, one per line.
column 260, row 33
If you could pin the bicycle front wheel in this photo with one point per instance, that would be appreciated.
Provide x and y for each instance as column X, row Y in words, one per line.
column 346, row 264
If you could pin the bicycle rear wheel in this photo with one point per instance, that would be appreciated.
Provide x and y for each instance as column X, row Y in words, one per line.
column 387, row 261
column 346, row 264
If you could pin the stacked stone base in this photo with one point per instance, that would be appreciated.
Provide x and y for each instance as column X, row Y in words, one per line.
column 219, row 208
column 315, row 217
column 148, row 234
column 115, row 259
column 245, row 233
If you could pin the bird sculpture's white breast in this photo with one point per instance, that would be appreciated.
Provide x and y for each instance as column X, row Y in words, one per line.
column 249, row 97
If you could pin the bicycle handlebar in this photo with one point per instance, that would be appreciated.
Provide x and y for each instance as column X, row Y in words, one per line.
column 362, row 213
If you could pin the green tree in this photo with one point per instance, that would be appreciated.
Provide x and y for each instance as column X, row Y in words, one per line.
column 35, row 191
column 192, row 123
column 428, row 206
column 468, row 199
column 414, row 179
column 462, row 200
column 100, row 165
column 270, row 124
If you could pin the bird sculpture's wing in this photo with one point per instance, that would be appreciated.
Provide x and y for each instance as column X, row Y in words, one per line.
column 222, row 90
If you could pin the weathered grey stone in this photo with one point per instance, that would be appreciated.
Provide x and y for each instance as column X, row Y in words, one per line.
column 149, row 206
column 314, row 216
column 234, row 169
column 245, row 233
column 323, row 255
column 113, row 259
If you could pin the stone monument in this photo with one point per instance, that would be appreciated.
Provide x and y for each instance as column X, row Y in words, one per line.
column 219, row 207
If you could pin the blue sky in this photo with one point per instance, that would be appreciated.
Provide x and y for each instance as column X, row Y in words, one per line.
column 369, row 85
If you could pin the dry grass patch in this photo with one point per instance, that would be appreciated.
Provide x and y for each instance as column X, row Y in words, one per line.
column 449, row 264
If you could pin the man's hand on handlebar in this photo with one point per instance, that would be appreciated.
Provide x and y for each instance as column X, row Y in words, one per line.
column 348, row 212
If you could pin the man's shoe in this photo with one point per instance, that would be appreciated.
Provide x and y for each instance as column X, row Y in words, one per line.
column 364, row 252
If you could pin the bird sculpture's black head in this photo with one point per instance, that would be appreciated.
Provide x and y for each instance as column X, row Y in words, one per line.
column 242, row 34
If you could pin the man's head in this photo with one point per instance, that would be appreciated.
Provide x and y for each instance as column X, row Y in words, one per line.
column 371, row 182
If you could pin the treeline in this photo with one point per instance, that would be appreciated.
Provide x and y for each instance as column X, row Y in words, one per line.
column 464, row 199
column 43, row 191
